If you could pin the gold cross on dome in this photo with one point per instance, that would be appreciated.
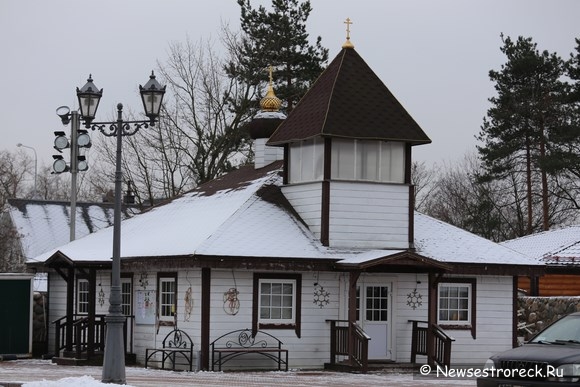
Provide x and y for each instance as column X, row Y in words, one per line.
column 271, row 77
column 348, row 44
column 348, row 23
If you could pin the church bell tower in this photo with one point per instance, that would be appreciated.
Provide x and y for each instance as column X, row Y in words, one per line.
column 347, row 158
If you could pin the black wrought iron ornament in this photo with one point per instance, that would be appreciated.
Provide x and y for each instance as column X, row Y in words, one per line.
column 112, row 129
column 231, row 301
column 321, row 296
column 101, row 297
column 414, row 299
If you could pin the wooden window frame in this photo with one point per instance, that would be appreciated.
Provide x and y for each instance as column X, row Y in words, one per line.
column 78, row 298
column 296, row 325
column 166, row 320
column 472, row 282
column 127, row 277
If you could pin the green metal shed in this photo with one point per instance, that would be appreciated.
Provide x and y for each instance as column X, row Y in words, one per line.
column 16, row 305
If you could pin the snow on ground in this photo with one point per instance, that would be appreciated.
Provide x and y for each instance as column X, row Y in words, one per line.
column 82, row 381
column 42, row 373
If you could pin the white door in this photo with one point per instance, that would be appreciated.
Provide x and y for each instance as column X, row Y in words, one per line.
column 375, row 316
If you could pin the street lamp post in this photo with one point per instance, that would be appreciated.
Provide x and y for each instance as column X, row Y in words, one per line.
column 35, row 165
column 89, row 97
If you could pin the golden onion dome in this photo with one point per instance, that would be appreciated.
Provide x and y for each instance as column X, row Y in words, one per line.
column 270, row 103
column 348, row 43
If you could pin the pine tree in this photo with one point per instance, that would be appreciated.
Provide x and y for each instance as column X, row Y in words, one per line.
column 527, row 108
column 564, row 157
column 278, row 38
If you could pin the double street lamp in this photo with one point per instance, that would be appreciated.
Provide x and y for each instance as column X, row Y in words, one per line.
column 89, row 97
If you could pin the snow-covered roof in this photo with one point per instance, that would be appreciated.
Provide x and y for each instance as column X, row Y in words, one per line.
column 244, row 214
column 558, row 247
column 43, row 225
column 442, row 241
column 177, row 228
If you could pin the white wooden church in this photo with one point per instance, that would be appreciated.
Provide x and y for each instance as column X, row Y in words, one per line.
column 316, row 244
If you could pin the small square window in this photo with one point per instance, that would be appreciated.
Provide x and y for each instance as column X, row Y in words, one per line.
column 277, row 301
column 455, row 303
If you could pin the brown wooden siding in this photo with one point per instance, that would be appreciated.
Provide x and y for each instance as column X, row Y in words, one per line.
column 554, row 285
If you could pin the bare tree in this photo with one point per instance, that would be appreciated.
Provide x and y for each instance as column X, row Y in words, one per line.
column 11, row 257
column 494, row 209
column 199, row 136
column 208, row 110
column 14, row 168
column 423, row 178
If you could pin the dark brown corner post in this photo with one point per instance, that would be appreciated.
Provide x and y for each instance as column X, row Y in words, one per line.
column 353, row 278
column 534, row 285
column 409, row 181
column 411, row 231
column 408, row 164
column 70, row 296
column 325, row 209
column 92, row 311
column 431, row 318
column 285, row 164
column 205, row 317
column 515, row 312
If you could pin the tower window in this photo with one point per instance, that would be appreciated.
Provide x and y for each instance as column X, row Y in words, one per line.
column 306, row 161
column 368, row 160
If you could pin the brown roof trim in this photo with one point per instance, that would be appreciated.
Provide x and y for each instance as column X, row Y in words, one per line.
column 563, row 269
column 498, row 269
column 235, row 262
column 402, row 262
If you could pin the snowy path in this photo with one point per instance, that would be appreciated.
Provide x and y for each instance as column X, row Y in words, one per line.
column 42, row 373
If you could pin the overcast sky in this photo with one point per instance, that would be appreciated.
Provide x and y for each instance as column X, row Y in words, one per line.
column 433, row 55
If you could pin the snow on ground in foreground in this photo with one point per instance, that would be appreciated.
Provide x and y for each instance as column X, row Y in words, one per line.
column 44, row 373
column 83, row 381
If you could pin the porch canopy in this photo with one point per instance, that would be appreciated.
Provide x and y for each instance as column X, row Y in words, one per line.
column 399, row 261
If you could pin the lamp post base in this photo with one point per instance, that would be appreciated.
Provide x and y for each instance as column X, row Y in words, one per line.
column 114, row 360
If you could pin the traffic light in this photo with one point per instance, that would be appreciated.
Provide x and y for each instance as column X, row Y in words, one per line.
column 83, row 141
column 59, row 165
column 60, row 141
column 79, row 142
column 82, row 164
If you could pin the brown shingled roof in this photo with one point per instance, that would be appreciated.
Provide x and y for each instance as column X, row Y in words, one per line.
column 349, row 100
